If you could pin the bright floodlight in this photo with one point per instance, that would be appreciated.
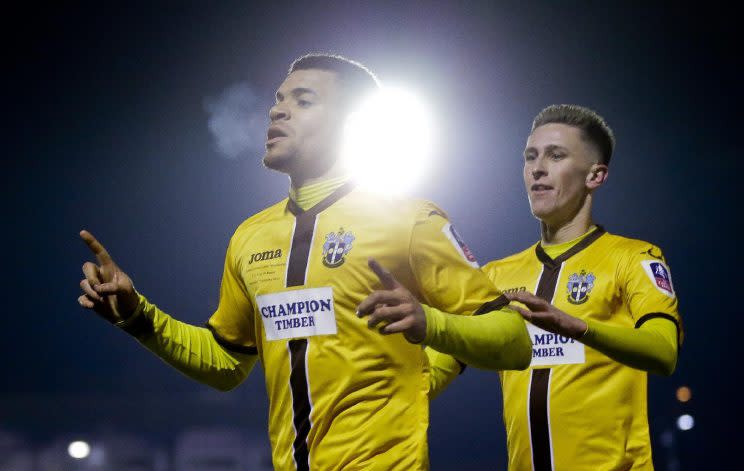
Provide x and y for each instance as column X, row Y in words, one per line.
column 78, row 449
column 685, row 422
column 388, row 141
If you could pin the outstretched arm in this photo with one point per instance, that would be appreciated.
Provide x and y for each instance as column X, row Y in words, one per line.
column 192, row 350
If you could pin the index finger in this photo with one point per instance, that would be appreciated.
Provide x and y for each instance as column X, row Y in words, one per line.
column 387, row 278
column 96, row 247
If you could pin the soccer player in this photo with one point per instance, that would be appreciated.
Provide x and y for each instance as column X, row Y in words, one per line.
column 602, row 312
column 341, row 395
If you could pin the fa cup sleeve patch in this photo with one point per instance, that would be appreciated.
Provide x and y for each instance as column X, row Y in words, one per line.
column 459, row 244
column 660, row 276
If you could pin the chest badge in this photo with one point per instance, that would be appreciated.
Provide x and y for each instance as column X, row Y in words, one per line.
column 337, row 245
column 579, row 286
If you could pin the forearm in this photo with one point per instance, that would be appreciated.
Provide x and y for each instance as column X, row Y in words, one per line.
column 497, row 340
column 651, row 347
column 190, row 349
column 443, row 369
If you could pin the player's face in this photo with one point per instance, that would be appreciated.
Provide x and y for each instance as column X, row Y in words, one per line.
column 303, row 135
column 558, row 166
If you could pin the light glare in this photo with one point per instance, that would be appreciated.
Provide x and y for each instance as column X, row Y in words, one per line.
column 684, row 394
column 388, row 141
column 78, row 450
column 685, row 422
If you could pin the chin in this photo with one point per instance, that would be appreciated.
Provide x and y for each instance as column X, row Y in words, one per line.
column 541, row 212
column 279, row 162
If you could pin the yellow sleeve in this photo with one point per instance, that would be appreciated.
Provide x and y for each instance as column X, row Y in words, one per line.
column 450, row 280
column 443, row 369
column 497, row 340
column 647, row 285
column 649, row 293
column 232, row 323
column 651, row 347
column 192, row 350
column 446, row 271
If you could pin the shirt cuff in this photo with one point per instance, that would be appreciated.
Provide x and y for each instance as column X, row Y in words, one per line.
column 435, row 322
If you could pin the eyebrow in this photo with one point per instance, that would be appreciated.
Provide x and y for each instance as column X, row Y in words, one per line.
column 549, row 148
column 296, row 92
column 553, row 147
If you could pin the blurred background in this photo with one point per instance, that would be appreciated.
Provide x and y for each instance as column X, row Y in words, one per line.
column 145, row 122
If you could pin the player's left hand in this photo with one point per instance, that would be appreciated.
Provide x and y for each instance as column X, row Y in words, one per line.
column 394, row 306
column 546, row 316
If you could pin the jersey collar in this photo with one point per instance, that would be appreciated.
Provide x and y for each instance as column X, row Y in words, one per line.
column 337, row 194
column 581, row 245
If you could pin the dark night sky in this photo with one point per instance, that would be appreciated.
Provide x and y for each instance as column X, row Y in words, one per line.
column 108, row 131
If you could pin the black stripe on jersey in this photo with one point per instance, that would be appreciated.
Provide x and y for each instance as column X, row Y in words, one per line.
column 662, row 315
column 548, row 281
column 301, row 406
column 494, row 305
column 227, row 345
column 300, row 251
column 299, row 257
column 303, row 234
column 539, row 420
column 540, row 383
column 140, row 326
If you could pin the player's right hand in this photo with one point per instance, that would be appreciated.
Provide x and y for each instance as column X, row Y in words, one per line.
column 106, row 288
column 394, row 308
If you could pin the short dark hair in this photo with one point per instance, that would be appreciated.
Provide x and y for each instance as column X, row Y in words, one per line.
column 355, row 78
column 593, row 127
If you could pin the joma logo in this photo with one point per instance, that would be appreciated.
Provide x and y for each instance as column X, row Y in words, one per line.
column 265, row 255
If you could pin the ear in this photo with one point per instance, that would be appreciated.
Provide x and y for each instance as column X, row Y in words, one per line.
column 597, row 176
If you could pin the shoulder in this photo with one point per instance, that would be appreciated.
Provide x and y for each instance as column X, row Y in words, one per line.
column 270, row 214
column 402, row 207
column 513, row 259
column 627, row 247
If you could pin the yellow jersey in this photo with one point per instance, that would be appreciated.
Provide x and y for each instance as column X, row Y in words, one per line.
column 574, row 408
column 342, row 396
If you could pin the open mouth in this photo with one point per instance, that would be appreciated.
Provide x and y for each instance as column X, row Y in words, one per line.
column 274, row 134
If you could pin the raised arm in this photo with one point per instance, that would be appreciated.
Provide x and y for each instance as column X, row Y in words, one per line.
column 192, row 350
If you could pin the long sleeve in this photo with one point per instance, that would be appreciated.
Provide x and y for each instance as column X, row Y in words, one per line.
column 443, row 369
column 192, row 350
column 450, row 281
column 497, row 340
column 651, row 347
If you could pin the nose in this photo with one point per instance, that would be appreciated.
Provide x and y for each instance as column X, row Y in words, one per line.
column 538, row 169
column 277, row 112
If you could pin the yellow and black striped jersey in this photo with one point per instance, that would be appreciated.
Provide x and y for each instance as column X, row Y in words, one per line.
column 341, row 395
column 576, row 409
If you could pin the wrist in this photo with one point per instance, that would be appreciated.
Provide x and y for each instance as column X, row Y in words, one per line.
column 575, row 328
column 434, row 323
column 417, row 334
column 126, row 322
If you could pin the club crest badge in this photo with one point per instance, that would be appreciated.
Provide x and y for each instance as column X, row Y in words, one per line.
column 337, row 245
column 579, row 286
